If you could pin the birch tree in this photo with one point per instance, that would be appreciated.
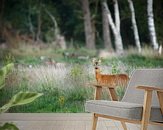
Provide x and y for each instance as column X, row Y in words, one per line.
column 116, row 13
column 151, row 25
column 135, row 29
column 115, row 26
column 89, row 33
column 56, row 28
column 39, row 23
column 106, row 30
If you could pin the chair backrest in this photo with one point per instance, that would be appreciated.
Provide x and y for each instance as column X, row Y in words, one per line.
column 147, row 77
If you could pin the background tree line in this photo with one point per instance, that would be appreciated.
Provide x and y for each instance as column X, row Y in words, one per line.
column 42, row 21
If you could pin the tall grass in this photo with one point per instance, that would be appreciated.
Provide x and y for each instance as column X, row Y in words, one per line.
column 64, row 87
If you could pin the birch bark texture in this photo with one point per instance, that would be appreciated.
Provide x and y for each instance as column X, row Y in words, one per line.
column 151, row 25
column 134, row 25
column 89, row 33
column 39, row 22
column 115, row 26
column 56, row 28
column 116, row 13
column 106, row 30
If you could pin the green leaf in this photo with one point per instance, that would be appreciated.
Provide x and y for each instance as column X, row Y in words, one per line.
column 8, row 126
column 3, row 73
column 6, row 69
column 2, row 84
column 20, row 98
column 5, row 107
column 24, row 98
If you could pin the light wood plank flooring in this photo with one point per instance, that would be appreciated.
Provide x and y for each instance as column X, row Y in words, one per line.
column 57, row 121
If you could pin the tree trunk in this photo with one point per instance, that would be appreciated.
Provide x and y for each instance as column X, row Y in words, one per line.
column 89, row 33
column 135, row 29
column 31, row 28
column 115, row 29
column 56, row 28
column 93, row 25
column 116, row 13
column 151, row 25
column 39, row 22
column 2, row 7
column 106, row 31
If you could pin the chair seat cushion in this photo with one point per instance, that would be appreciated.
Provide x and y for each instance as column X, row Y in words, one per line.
column 125, row 110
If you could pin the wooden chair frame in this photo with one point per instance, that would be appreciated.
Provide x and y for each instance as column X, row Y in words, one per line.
column 146, row 106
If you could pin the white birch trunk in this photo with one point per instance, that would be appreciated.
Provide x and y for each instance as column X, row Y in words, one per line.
column 151, row 25
column 116, row 32
column 116, row 13
column 31, row 28
column 135, row 29
column 39, row 23
column 56, row 29
column 106, row 31
column 160, row 50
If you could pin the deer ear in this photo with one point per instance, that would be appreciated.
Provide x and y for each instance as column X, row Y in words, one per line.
column 101, row 58
column 99, row 61
column 93, row 60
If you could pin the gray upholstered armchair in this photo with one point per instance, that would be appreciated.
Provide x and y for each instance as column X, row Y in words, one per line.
column 141, row 104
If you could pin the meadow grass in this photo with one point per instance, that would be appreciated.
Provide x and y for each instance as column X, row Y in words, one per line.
column 64, row 86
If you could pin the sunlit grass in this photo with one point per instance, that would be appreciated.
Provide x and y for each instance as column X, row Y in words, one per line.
column 65, row 85
column 64, row 88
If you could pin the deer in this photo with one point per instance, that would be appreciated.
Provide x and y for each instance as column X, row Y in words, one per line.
column 112, row 80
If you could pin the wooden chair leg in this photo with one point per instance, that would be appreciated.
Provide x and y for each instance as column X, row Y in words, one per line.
column 113, row 94
column 146, row 110
column 124, row 125
column 160, row 98
column 113, row 97
column 97, row 96
column 98, row 93
column 94, row 121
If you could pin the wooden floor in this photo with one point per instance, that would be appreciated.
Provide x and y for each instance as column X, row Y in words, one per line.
column 54, row 121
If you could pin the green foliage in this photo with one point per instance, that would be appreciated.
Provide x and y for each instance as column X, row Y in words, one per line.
column 8, row 126
column 29, row 60
column 20, row 98
column 3, row 73
column 58, row 100
column 120, row 91
column 23, row 17
column 143, row 61
column 75, row 53
column 76, row 72
column 115, row 69
column 77, row 94
column 8, row 59
column 65, row 88
column 67, row 94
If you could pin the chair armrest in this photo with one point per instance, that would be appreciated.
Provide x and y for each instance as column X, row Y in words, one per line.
column 98, row 91
column 148, row 101
column 150, row 88
column 100, row 85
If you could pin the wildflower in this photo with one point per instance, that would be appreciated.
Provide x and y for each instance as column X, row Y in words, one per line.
column 61, row 100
